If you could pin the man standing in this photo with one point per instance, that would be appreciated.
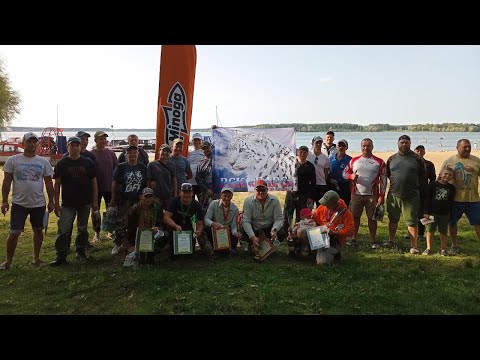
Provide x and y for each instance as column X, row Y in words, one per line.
column 182, row 165
column 338, row 163
column 328, row 147
column 161, row 176
column 194, row 158
column 28, row 172
column 466, row 169
column 106, row 161
column 306, row 178
column 262, row 213
column 75, row 177
column 142, row 154
column 322, row 167
column 204, row 176
column 405, row 170
column 83, row 136
column 430, row 177
column 367, row 174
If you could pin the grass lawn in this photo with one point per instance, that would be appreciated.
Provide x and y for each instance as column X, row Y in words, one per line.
column 367, row 281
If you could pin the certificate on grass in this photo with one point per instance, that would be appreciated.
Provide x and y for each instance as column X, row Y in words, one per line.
column 144, row 240
column 221, row 238
column 182, row 242
column 265, row 248
column 317, row 239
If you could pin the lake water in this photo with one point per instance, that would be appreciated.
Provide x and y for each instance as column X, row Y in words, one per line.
column 382, row 141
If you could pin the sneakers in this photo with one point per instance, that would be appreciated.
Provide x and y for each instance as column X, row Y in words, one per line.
column 96, row 237
column 426, row 252
column 375, row 245
column 80, row 256
column 389, row 244
column 116, row 249
column 414, row 251
column 352, row 242
column 444, row 253
column 454, row 250
column 131, row 259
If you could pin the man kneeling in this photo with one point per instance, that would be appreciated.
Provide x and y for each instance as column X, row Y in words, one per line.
column 338, row 222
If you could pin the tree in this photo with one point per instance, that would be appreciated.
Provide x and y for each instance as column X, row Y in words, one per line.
column 9, row 99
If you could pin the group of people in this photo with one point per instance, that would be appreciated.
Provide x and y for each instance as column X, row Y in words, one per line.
column 174, row 193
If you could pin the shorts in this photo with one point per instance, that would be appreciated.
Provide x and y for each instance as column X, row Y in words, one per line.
column 471, row 209
column 441, row 221
column 407, row 207
column 358, row 202
column 19, row 214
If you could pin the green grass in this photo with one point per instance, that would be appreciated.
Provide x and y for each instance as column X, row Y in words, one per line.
column 366, row 282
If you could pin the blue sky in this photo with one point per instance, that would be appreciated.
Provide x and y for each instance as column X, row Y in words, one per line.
column 100, row 86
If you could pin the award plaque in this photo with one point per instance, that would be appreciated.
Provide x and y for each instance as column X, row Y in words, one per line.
column 221, row 238
column 182, row 242
column 144, row 240
column 317, row 239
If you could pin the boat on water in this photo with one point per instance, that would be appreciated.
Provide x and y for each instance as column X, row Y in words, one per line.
column 8, row 148
column 52, row 145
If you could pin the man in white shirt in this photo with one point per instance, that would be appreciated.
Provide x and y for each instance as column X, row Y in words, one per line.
column 28, row 172
column 322, row 167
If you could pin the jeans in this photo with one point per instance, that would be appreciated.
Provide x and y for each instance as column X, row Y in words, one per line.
column 65, row 226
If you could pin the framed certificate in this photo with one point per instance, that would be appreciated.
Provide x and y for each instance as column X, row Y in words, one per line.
column 221, row 238
column 265, row 248
column 182, row 242
column 317, row 239
column 144, row 240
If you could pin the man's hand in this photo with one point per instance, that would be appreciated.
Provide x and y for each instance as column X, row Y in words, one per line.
column 255, row 241
column 57, row 210
column 273, row 234
column 50, row 206
column 381, row 200
column 216, row 225
column 5, row 207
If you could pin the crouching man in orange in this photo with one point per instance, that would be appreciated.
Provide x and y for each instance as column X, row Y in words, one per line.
column 337, row 220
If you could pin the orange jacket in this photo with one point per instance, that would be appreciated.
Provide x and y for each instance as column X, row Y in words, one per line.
column 343, row 224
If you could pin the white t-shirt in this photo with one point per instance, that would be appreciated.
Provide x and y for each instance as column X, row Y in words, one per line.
column 28, row 174
column 321, row 163
column 194, row 158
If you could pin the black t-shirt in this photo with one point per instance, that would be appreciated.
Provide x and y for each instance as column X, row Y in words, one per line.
column 439, row 198
column 76, row 177
column 131, row 180
column 182, row 214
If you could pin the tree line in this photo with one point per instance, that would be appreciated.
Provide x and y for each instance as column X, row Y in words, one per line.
column 324, row 127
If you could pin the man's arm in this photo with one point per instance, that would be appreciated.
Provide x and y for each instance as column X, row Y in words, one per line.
column 50, row 192
column 94, row 194
column 58, row 183
column 167, row 219
column 7, row 182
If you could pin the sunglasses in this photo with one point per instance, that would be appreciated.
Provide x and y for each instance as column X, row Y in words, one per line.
column 261, row 190
column 316, row 160
column 148, row 195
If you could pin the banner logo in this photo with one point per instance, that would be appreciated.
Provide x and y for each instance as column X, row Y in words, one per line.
column 175, row 114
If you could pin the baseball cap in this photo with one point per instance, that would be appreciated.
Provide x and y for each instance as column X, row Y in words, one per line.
column 177, row 141
column 186, row 187
column 29, row 135
column 206, row 144
column 330, row 198
column 197, row 136
column 100, row 133
column 165, row 146
column 420, row 147
column 73, row 139
column 227, row 188
column 404, row 137
column 147, row 191
column 343, row 141
column 82, row 133
column 317, row 138
column 260, row 183
column 303, row 148
column 306, row 212
column 132, row 147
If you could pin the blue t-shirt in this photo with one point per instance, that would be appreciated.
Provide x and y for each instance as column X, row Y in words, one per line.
column 337, row 167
